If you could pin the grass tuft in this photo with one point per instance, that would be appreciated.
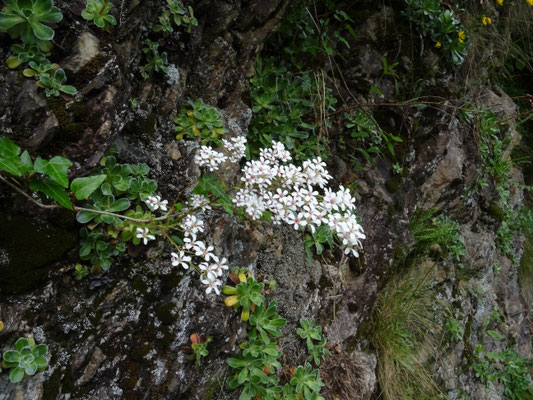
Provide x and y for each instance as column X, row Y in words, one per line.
column 406, row 336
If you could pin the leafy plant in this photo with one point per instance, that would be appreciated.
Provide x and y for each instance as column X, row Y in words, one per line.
column 506, row 367
column 317, row 238
column 310, row 332
column 96, row 247
column 246, row 294
column 366, row 136
column 48, row 177
column 54, row 83
column 307, row 382
column 27, row 359
column 25, row 53
column 455, row 329
column 442, row 26
column 114, row 188
column 177, row 14
column 27, row 19
column 429, row 231
column 265, row 320
column 200, row 120
column 199, row 347
column 308, row 32
column 282, row 104
column 81, row 271
column 98, row 12
column 156, row 62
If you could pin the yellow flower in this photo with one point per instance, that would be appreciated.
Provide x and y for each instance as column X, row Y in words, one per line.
column 462, row 35
column 530, row 2
column 438, row 45
column 500, row 2
column 487, row 20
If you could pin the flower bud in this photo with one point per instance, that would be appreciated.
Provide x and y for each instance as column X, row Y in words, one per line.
column 231, row 301
column 229, row 290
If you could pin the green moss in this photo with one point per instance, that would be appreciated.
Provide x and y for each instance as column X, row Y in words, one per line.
column 171, row 281
column 139, row 285
column 165, row 313
column 57, row 106
column 88, row 72
column 214, row 386
column 150, row 124
column 393, row 183
column 131, row 375
column 496, row 211
column 52, row 386
column 29, row 246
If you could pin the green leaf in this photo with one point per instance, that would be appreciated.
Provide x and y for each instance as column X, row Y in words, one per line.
column 16, row 375
column 11, row 165
column 56, row 169
column 84, row 187
column 209, row 184
column 42, row 31
column 53, row 190
column 495, row 335
column 41, row 362
column 85, row 216
column 39, row 350
column 21, row 343
column 31, row 369
column 68, row 89
column 12, row 356
column 25, row 159
column 120, row 205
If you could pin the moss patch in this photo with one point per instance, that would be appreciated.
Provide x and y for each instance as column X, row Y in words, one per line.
column 27, row 248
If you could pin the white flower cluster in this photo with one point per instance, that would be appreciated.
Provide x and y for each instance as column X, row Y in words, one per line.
column 211, row 266
column 207, row 157
column 236, row 146
column 290, row 194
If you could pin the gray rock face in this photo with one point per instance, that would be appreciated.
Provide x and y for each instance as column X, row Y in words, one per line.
column 126, row 334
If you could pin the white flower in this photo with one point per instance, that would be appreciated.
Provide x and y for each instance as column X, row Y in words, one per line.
column 192, row 225
column 204, row 252
column 212, row 284
column 209, row 270
column 298, row 221
column 180, row 259
column 152, row 203
column 144, row 234
column 155, row 202
column 200, row 201
column 190, row 242
column 219, row 265
column 163, row 205
column 236, row 146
